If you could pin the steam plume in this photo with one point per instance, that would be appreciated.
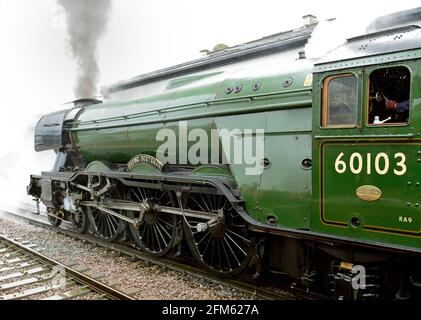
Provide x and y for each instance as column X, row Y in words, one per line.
column 86, row 23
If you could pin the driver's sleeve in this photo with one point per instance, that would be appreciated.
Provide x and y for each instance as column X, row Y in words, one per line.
column 402, row 107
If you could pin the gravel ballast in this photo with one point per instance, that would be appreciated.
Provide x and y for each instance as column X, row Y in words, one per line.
column 147, row 282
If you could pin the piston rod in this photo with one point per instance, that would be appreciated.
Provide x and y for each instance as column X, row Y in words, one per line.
column 110, row 207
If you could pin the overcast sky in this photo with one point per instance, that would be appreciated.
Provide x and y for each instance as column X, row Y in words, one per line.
column 145, row 35
column 37, row 71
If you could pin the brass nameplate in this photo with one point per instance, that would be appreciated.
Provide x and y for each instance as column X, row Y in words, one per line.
column 368, row 193
column 143, row 158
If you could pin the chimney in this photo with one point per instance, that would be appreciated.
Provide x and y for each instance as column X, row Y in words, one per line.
column 309, row 20
column 301, row 55
column 82, row 103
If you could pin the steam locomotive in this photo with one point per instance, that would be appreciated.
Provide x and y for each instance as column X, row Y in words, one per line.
column 334, row 204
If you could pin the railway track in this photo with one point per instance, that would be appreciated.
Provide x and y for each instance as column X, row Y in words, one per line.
column 28, row 274
column 256, row 288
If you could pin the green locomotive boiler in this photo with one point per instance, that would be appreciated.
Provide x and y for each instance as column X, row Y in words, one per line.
column 328, row 195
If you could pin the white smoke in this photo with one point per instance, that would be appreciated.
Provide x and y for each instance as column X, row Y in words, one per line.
column 28, row 95
column 20, row 161
column 86, row 23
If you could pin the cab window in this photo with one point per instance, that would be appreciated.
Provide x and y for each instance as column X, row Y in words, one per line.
column 339, row 101
column 388, row 101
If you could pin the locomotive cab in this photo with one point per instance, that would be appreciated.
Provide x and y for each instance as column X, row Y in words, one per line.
column 366, row 144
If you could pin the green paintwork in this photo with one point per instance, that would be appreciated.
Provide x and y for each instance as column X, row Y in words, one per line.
column 210, row 170
column 321, row 200
column 384, row 213
column 97, row 166
column 118, row 131
column 145, row 168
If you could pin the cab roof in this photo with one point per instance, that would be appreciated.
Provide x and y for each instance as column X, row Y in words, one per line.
column 374, row 48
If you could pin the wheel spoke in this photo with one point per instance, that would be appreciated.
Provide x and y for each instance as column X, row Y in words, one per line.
column 113, row 219
column 239, row 236
column 201, row 208
column 205, row 236
column 141, row 194
column 158, row 234
column 149, row 236
column 100, row 218
column 112, row 223
column 166, row 223
column 225, row 254
column 143, row 232
column 219, row 253
column 162, row 195
column 206, row 248
column 135, row 194
column 159, row 225
column 107, row 227
column 236, row 244
column 205, row 203
column 232, row 251
column 213, row 251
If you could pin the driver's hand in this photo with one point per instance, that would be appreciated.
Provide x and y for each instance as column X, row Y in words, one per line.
column 391, row 105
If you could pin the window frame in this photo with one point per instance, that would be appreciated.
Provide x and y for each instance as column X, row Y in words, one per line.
column 367, row 104
column 325, row 102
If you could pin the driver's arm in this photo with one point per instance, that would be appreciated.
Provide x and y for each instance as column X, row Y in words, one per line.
column 399, row 107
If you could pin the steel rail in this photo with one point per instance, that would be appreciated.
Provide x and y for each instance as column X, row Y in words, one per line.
column 77, row 276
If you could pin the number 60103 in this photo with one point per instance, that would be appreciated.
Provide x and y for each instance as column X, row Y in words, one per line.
column 370, row 163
